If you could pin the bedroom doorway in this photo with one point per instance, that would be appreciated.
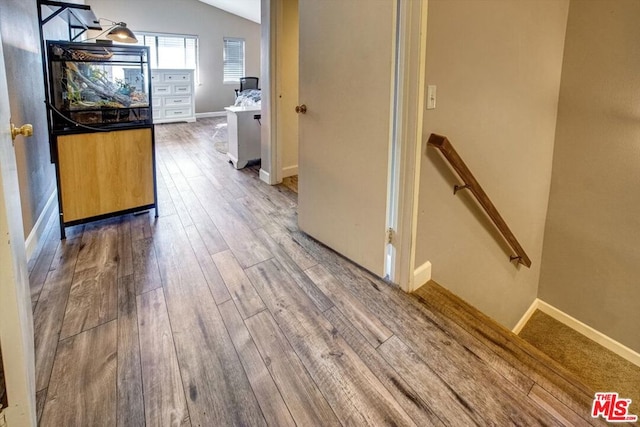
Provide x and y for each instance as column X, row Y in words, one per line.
column 355, row 195
column 287, row 80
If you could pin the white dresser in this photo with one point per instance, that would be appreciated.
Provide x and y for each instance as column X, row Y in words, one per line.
column 173, row 95
column 244, row 135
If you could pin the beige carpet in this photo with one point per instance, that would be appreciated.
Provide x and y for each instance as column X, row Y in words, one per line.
column 597, row 367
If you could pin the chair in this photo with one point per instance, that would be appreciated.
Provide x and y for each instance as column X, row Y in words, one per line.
column 247, row 83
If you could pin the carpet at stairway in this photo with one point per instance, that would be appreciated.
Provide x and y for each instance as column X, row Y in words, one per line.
column 597, row 367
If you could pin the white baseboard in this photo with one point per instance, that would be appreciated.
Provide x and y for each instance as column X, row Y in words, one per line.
column 211, row 114
column 421, row 275
column 34, row 238
column 586, row 330
column 527, row 315
column 264, row 176
column 289, row 171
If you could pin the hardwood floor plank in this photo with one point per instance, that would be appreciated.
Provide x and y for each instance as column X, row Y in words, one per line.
column 559, row 410
column 99, row 245
column 49, row 313
column 241, row 240
column 165, row 197
column 218, row 391
column 41, row 398
column 40, row 269
column 92, row 300
column 242, row 291
column 261, row 217
column 84, row 378
column 300, row 256
column 141, row 225
column 354, row 393
column 129, row 374
column 164, row 398
column 273, row 407
column 413, row 404
column 125, row 251
column 183, row 163
column 210, row 235
column 93, row 296
column 145, row 266
column 211, row 274
column 446, row 403
column 374, row 331
column 306, row 404
column 304, row 282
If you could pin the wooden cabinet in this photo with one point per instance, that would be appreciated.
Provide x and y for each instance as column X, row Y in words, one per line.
column 105, row 172
column 173, row 95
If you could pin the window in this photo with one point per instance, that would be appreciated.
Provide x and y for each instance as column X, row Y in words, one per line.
column 170, row 50
column 233, row 57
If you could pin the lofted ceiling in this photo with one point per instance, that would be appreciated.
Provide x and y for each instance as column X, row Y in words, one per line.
column 248, row 9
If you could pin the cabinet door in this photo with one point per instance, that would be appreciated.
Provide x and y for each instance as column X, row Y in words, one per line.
column 105, row 172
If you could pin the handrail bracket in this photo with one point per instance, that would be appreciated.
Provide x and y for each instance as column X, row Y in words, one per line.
column 457, row 188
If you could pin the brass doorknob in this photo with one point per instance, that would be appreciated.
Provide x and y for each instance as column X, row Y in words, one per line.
column 24, row 130
column 301, row 109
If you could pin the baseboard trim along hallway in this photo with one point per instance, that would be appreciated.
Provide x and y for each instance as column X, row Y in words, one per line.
column 32, row 241
column 586, row 330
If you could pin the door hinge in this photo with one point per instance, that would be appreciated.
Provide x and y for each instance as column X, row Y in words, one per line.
column 390, row 235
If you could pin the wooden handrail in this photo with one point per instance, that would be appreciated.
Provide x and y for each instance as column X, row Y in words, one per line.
column 444, row 145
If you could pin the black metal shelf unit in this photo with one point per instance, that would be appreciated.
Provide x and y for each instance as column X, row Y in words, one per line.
column 98, row 99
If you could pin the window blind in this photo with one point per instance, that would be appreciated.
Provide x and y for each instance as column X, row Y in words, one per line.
column 233, row 57
column 171, row 50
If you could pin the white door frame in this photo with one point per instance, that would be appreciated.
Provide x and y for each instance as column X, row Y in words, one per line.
column 402, row 210
column 408, row 119
column 16, row 321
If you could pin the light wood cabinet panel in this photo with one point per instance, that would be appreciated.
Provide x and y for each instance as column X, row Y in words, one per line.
column 105, row 172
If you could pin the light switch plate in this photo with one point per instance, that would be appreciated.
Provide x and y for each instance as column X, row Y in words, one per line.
column 431, row 97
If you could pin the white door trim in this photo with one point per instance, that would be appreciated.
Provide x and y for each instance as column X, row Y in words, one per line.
column 16, row 321
column 271, row 152
column 412, row 51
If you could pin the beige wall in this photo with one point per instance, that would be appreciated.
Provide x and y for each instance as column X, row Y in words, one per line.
column 591, row 263
column 195, row 18
column 287, row 75
column 21, row 45
column 497, row 67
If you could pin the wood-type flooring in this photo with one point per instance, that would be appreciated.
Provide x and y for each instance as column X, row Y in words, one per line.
column 221, row 312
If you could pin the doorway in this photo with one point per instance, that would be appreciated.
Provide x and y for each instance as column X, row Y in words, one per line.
column 404, row 26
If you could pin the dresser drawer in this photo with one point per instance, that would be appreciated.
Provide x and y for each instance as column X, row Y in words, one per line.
column 177, row 112
column 177, row 100
column 157, row 102
column 159, row 89
column 182, row 88
column 176, row 77
column 157, row 113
